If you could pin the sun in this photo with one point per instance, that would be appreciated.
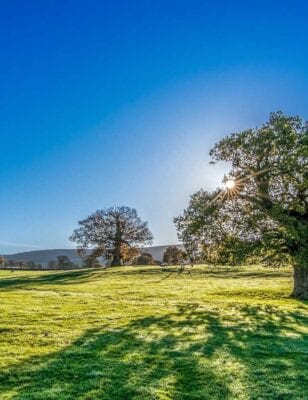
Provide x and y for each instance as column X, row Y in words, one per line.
column 230, row 184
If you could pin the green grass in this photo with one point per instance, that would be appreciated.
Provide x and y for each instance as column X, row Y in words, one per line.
column 143, row 333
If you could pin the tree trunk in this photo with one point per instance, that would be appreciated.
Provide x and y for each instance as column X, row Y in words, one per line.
column 116, row 261
column 300, row 290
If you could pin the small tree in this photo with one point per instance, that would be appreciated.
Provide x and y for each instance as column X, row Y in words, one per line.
column 10, row 263
column 172, row 255
column 111, row 232
column 89, row 259
column 20, row 264
column 64, row 262
column 144, row 259
column 30, row 265
column 52, row 264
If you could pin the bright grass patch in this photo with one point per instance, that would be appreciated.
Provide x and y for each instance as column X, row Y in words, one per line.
column 143, row 333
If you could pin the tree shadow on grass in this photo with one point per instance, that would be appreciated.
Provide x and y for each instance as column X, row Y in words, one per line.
column 85, row 275
column 122, row 364
column 259, row 353
column 215, row 272
column 58, row 278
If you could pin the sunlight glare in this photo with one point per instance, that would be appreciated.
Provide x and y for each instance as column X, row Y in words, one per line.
column 230, row 184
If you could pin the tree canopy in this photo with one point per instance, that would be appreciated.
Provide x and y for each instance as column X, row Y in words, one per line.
column 265, row 201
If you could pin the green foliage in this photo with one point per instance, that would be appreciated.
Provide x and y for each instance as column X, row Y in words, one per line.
column 90, row 261
column 231, row 251
column 144, row 333
column 173, row 255
column 218, row 234
column 271, row 168
column 144, row 259
column 63, row 262
column 14, row 264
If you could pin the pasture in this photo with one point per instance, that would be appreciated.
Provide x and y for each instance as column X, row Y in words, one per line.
column 144, row 333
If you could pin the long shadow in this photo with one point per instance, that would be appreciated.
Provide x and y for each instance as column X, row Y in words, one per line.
column 67, row 277
column 124, row 364
column 84, row 275
column 181, row 356
column 237, row 273
column 268, row 342
column 215, row 272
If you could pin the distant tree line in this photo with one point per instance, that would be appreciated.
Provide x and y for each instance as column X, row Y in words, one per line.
column 62, row 262
column 4, row 263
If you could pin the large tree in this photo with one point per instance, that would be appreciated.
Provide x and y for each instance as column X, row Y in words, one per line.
column 111, row 232
column 265, row 200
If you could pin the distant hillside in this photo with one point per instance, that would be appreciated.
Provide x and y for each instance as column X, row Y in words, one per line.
column 44, row 256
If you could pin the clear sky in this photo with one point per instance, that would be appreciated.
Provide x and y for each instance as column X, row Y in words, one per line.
column 118, row 103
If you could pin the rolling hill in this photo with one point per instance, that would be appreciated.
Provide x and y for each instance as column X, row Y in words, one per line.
column 44, row 256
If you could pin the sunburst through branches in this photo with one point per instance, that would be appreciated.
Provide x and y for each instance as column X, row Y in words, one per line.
column 234, row 186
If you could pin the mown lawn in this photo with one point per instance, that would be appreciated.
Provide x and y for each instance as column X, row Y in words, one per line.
column 143, row 333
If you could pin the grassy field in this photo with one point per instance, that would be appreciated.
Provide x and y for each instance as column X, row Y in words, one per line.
column 143, row 333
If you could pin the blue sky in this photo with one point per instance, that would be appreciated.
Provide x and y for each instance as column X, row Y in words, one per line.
column 118, row 103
